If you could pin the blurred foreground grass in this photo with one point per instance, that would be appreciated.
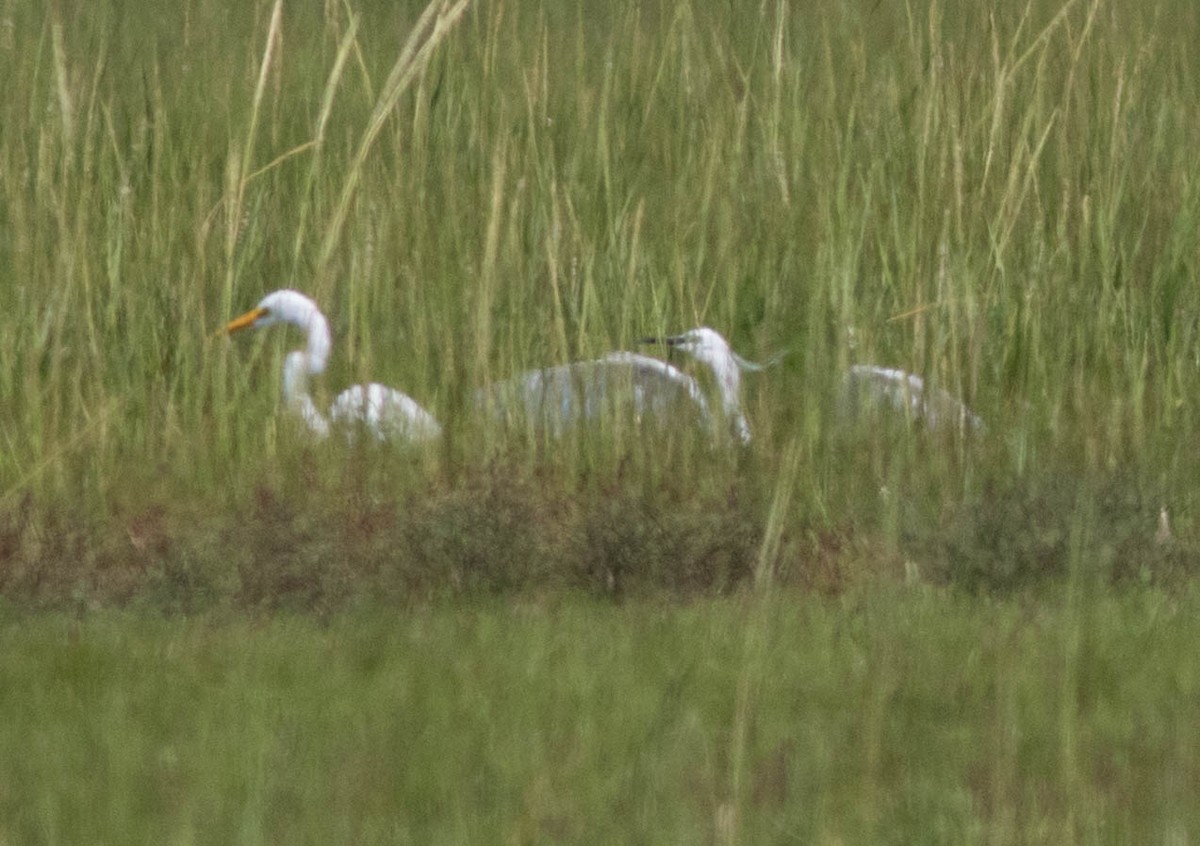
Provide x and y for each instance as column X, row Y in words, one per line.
column 889, row 716
column 1001, row 200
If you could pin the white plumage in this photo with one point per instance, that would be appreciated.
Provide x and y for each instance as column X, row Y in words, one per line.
column 623, row 384
column 386, row 413
column 650, row 390
column 870, row 387
column 709, row 347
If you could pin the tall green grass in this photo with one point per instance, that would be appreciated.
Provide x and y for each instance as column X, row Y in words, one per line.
column 1001, row 200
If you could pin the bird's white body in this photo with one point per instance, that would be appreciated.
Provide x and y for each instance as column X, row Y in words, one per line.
column 387, row 414
column 558, row 398
column 863, row 384
column 870, row 386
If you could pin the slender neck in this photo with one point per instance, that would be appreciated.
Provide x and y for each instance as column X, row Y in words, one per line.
column 729, row 386
column 296, row 369
column 741, row 427
column 316, row 330
column 299, row 365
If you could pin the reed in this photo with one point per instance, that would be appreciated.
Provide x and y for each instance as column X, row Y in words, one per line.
column 997, row 200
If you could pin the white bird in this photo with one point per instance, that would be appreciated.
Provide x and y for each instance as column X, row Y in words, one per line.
column 862, row 383
column 556, row 399
column 651, row 390
column 887, row 388
column 709, row 347
column 386, row 413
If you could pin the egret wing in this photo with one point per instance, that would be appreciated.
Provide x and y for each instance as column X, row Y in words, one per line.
column 558, row 398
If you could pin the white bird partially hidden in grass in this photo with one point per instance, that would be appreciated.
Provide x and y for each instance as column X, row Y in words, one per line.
column 556, row 399
column 863, row 385
column 388, row 414
column 708, row 347
column 867, row 387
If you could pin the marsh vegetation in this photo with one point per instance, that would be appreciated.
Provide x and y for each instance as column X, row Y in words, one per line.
column 1001, row 200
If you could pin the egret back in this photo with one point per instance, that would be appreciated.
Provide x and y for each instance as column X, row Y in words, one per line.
column 388, row 414
column 868, row 387
column 556, row 399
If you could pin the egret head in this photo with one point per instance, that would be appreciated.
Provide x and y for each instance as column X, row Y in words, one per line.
column 288, row 306
column 703, row 344
column 283, row 306
column 708, row 346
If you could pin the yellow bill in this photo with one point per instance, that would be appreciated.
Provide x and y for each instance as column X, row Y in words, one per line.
column 242, row 322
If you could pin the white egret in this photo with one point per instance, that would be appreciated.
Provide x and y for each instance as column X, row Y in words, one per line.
column 556, row 399
column 386, row 413
column 709, row 347
column 652, row 390
column 870, row 386
column 863, row 384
